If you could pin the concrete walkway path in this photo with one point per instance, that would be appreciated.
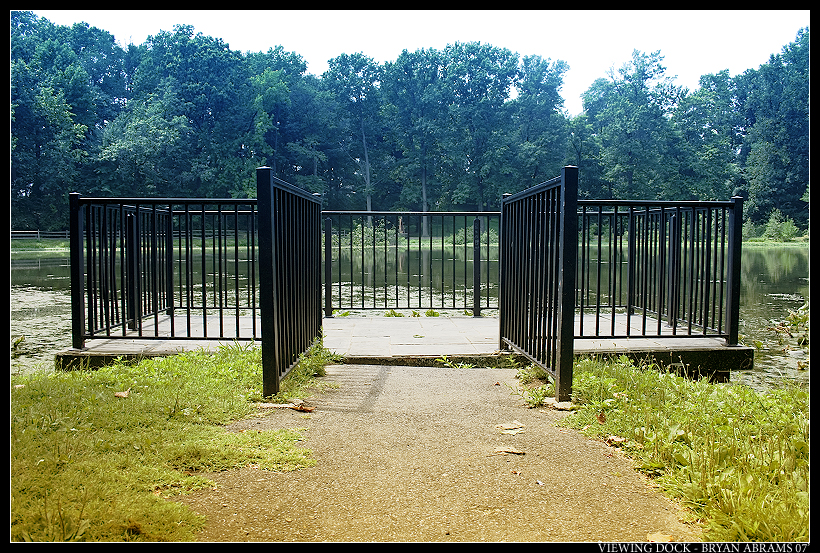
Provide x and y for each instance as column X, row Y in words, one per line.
column 420, row 454
column 385, row 337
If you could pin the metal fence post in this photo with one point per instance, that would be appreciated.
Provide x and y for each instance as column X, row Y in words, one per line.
column 476, row 267
column 733, row 294
column 77, row 271
column 169, row 263
column 132, row 256
column 502, row 274
column 566, row 283
column 673, row 269
column 630, row 266
column 267, row 288
column 328, row 267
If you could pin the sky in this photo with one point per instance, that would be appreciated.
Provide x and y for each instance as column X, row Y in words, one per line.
column 693, row 42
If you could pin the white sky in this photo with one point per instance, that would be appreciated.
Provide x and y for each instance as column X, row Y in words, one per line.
column 693, row 43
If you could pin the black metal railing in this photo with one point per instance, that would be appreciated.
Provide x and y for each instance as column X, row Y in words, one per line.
column 201, row 269
column 537, row 281
column 290, row 274
column 163, row 268
column 252, row 269
column 410, row 260
column 652, row 268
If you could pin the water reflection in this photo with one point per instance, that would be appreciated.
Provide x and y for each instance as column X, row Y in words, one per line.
column 40, row 310
column 775, row 281
column 412, row 279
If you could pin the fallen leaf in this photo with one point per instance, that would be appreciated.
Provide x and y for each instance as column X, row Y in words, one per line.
column 615, row 440
column 658, row 537
column 126, row 393
column 558, row 405
column 296, row 404
column 513, row 427
column 301, row 405
column 505, row 450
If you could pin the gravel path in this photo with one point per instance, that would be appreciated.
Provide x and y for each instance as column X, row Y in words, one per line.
column 413, row 454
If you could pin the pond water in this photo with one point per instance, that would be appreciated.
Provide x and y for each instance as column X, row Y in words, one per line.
column 775, row 282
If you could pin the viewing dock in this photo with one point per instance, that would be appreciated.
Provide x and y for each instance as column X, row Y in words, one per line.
column 421, row 341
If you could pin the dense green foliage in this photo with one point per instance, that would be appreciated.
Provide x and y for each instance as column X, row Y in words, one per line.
column 184, row 115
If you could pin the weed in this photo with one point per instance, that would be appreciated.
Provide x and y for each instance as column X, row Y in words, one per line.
column 444, row 360
column 534, row 396
column 738, row 458
column 393, row 313
column 431, row 313
column 57, row 525
column 535, row 386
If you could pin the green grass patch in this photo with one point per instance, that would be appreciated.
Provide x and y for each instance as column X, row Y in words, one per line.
column 28, row 245
column 87, row 464
column 738, row 458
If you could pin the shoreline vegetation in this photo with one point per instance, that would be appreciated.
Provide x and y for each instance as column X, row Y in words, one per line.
column 96, row 455
column 59, row 245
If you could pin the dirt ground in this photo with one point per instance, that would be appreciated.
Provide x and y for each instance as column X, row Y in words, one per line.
column 418, row 454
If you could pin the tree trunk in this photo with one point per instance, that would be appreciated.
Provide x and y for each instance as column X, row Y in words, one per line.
column 425, row 229
column 367, row 178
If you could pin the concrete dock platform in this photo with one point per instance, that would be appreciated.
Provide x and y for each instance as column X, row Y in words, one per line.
column 420, row 341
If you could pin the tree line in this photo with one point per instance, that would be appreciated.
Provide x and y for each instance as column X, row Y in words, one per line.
column 183, row 115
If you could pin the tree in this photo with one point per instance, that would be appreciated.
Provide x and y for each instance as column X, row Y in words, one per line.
column 585, row 153
column 273, row 76
column 413, row 106
column 775, row 153
column 539, row 130
column 710, row 124
column 630, row 111
column 354, row 80
column 145, row 151
column 51, row 114
column 183, row 114
column 210, row 81
column 478, row 79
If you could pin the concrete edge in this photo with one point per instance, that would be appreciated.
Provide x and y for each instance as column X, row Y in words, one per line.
column 714, row 364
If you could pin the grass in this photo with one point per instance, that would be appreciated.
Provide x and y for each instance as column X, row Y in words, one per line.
column 43, row 245
column 87, row 465
column 737, row 458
